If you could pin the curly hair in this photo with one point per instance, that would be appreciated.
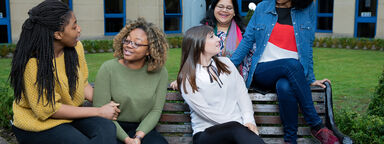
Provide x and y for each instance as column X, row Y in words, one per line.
column 157, row 42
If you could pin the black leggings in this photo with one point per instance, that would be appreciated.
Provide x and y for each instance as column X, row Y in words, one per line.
column 227, row 133
column 93, row 130
column 153, row 137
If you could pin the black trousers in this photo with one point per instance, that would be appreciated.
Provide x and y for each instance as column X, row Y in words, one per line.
column 153, row 137
column 227, row 133
column 93, row 130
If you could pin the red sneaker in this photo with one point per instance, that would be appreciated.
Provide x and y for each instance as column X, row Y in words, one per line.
column 325, row 136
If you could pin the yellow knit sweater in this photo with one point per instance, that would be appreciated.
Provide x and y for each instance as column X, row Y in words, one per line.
column 31, row 115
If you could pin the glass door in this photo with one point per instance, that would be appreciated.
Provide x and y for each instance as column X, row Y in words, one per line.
column 5, row 27
column 173, row 16
column 114, row 16
column 365, row 18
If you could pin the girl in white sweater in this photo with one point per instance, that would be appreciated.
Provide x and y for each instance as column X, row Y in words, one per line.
column 221, row 110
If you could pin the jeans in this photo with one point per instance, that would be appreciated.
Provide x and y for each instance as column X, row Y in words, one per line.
column 286, row 76
column 93, row 130
column 227, row 133
column 153, row 137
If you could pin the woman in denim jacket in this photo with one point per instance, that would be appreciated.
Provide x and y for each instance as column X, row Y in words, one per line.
column 283, row 31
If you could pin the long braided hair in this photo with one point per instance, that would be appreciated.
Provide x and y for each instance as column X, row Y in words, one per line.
column 36, row 41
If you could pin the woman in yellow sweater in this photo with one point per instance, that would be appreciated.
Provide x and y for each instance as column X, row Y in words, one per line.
column 50, row 80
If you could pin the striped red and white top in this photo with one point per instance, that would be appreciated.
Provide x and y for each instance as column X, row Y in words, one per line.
column 282, row 42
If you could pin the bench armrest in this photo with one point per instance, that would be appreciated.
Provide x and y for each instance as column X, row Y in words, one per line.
column 329, row 118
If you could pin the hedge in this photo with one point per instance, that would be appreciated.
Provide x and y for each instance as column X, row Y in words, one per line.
column 99, row 46
column 6, row 97
column 350, row 43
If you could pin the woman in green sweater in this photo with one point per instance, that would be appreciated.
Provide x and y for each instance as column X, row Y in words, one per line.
column 137, row 80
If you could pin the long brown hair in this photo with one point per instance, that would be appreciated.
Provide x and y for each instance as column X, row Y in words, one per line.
column 192, row 46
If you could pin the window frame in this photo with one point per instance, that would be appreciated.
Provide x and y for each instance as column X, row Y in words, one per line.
column 359, row 19
column 113, row 15
column 6, row 21
column 324, row 15
column 70, row 4
column 173, row 15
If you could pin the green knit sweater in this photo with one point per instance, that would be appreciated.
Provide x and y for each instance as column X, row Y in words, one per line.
column 141, row 94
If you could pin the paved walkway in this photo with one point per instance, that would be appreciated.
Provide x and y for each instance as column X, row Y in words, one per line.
column 3, row 141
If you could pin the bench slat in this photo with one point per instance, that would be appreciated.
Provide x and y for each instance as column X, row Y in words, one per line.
column 174, row 128
column 175, row 118
column 176, row 107
column 263, row 108
column 176, row 96
column 271, row 108
column 281, row 140
column 178, row 140
column 276, row 119
column 184, row 118
column 316, row 97
column 264, row 130
column 188, row 140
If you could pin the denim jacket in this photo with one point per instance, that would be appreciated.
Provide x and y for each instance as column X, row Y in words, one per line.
column 260, row 28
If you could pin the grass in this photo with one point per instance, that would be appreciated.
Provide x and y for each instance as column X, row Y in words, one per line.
column 354, row 73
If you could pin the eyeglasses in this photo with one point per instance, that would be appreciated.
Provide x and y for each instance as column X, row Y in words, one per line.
column 221, row 7
column 133, row 44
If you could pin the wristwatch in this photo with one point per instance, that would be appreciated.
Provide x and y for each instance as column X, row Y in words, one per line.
column 139, row 137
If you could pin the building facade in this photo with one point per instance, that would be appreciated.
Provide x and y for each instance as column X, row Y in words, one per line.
column 102, row 19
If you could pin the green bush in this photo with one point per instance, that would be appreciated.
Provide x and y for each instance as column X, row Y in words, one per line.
column 369, row 127
column 6, row 97
column 4, row 50
column 180, row 41
column 380, row 44
column 315, row 42
column 321, row 42
column 248, row 17
column 362, row 129
column 376, row 106
column 352, row 42
column 362, row 43
column 328, row 42
column 343, row 42
column 88, row 45
column 103, row 45
column 335, row 42
column 174, row 42
column 12, row 47
column 97, row 47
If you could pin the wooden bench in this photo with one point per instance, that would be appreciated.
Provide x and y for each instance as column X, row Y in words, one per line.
column 175, row 123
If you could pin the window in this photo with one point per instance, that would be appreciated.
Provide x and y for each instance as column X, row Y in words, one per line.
column 3, row 34
column 365, row 18
column 172, row 16
column 3, row 9
column 114, row 16
column 243, row 6
column 5, row 27
column 324, row 9
column 69, row 3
